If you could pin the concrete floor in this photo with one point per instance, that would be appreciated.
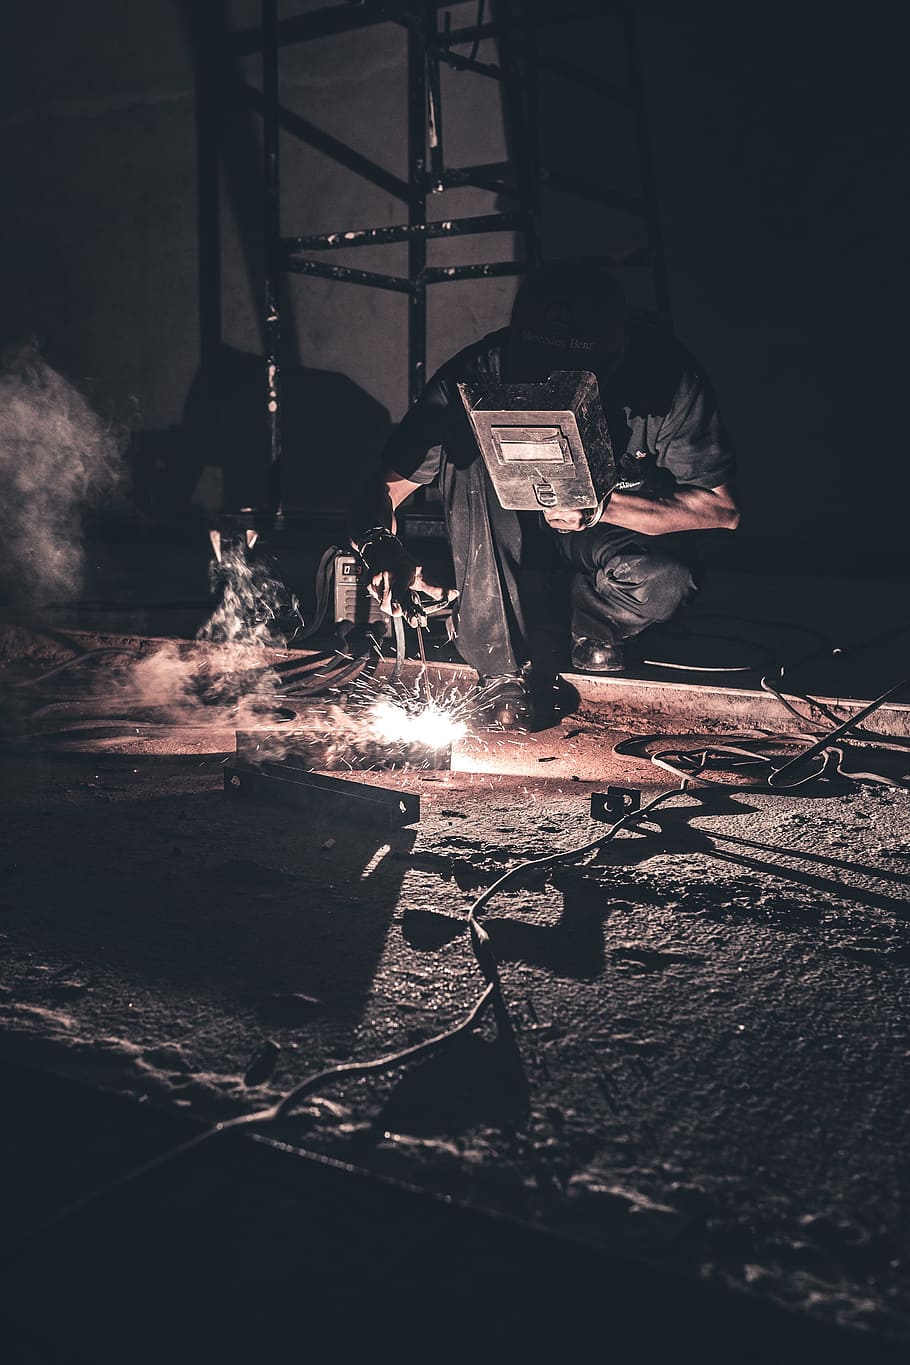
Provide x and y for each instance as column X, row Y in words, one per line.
column 709, row 1070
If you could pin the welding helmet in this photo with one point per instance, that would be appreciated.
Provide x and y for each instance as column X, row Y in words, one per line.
column 567, row 315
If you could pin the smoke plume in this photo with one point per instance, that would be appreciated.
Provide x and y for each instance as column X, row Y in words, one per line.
column 58, row 459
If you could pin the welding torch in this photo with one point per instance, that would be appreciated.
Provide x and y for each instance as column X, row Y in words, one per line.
column 396, row 582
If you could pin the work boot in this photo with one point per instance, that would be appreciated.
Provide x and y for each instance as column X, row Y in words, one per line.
column 503, row 702
column 597, row 656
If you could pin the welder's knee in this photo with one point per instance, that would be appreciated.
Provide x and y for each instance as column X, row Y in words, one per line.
column 641, row 590
column 670, row 585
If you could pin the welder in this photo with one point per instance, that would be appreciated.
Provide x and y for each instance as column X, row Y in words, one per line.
column 633, row 554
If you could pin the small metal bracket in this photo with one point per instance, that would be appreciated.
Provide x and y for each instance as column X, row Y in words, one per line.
column 360, row 801
column 614, row 803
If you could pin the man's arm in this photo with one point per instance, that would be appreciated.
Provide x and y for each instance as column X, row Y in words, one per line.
column 379, row 502
column 394, row 574
column 685, row 509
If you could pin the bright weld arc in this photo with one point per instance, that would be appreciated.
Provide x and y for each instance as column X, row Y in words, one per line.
column 432, row 725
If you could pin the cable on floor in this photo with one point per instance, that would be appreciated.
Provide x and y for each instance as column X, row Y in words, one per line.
column 742, row 750
column 283, row 1108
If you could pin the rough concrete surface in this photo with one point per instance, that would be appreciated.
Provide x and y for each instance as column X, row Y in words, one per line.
column 710, row 1015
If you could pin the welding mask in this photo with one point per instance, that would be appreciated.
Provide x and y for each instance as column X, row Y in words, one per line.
column 545, row 445
column 540, row 428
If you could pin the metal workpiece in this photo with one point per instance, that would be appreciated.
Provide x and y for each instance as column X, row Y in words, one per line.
column 319, row 749
column 288, row 785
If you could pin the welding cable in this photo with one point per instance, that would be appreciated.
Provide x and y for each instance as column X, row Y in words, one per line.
column 767, row 686
column 831, row 764
column 324, row 677
column 775, row 692
column 283, row 1108
column 701, row 668
column 685, row 634
column 871, row 640
column 552, row 859
column 850, row 727
column 692, row 763
column 259, row 1118
column 313, row 659
column 688, row 763
column 705, row 668
column 79, row 659
column 867, row 738
column 826, row 740
column 341, row 677
column 696, row 760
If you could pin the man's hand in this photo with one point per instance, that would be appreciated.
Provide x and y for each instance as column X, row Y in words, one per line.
column 392, row 577
column 566, row 519
column 398, row 583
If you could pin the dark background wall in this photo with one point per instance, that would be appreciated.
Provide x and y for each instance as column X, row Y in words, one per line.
column 779, row 143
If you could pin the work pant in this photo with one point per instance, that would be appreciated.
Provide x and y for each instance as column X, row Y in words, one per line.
column 623, row 582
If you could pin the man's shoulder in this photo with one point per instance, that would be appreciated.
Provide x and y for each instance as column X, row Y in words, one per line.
column 662, row 375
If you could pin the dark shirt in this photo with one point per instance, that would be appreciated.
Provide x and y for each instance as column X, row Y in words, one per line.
column 657, row 402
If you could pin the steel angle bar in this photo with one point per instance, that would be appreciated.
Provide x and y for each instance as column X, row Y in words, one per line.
column 403, row 232
column 417, row 110
column 287, row 785
column 348, row 275
column 443, row 274
column 459, row 63
column 322, row 23
column 434, row 120
column 271, row 215
column 490, row 176
column 324, row 142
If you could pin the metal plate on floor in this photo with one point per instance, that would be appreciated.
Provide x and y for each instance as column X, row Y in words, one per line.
column 360, row 801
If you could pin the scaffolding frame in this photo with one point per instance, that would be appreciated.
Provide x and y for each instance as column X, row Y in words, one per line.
column 515, row 26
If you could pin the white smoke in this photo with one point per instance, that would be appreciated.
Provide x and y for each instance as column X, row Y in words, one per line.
column 58, row 459
column 230, row 674
column 253, row 602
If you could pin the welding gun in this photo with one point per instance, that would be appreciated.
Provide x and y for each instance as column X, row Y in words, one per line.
column 402, row 582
